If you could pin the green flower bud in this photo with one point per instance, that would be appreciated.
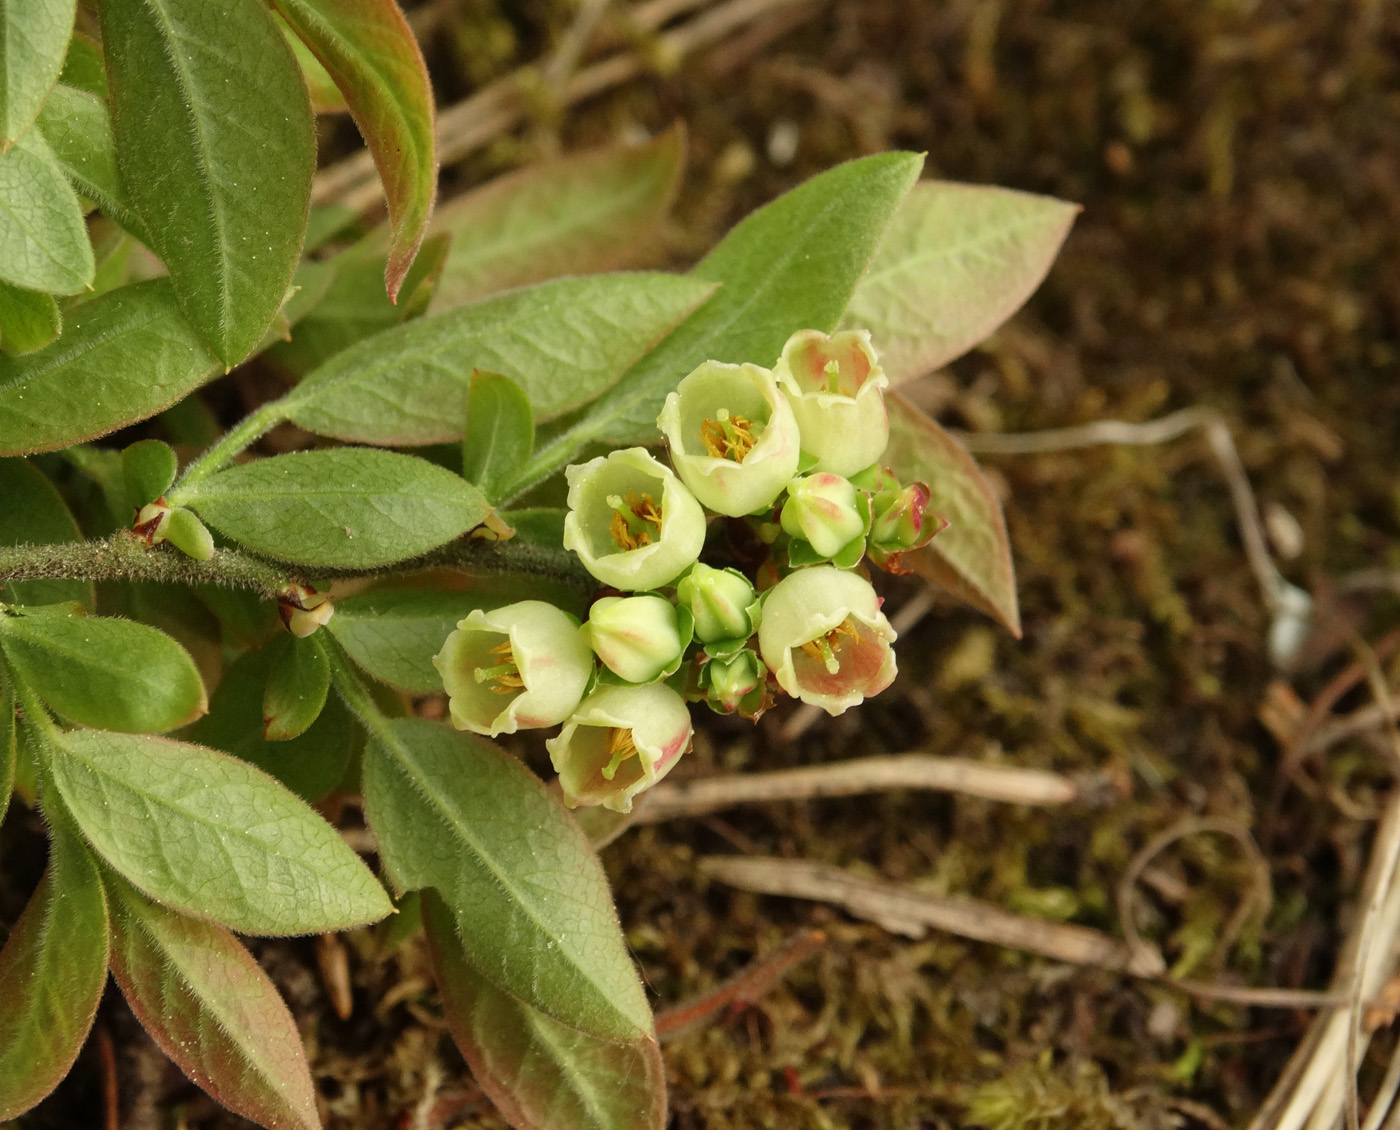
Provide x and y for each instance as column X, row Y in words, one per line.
column 736, row 683
column 836, row 388
column 900, row 523
column 824, row 511
column 632, row 523
column 189, row 535
column 620, row 741
column 722, row 601
column 638, row 638
column 519, row 667
column 733, row 437
column 825, row 639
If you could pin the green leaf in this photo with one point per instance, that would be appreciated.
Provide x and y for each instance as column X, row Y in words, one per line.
column 500, row 432
column 29, row 319
column 454, row 812
column 103, row 672
column 52, row 972
column 78, row 127
column 347, row 507
column 148, row 467
column 311, row 765
column 581, row 215
column 33, row 38
column 210, row 836
column 32, row 512
column 296, row 688
column 216, row 145
column 542, row 1075
column 563, row 342
column 200, row 995
column 43, row 241
column 123, row 357
column 394, row 634
column 370, row 52
column 972, row 557
column 83, row 66
column 955, row 263
column 354, row 305
column 9, row 746
column 791, row 265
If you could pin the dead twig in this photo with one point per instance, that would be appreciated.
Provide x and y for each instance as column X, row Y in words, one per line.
column 107, row 1059
column 744, row 989
column 1036, row 787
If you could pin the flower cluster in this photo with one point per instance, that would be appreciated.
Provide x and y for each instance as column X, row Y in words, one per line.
column 788, row 461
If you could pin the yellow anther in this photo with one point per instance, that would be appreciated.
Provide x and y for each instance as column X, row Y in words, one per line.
column 727, row 436
column 620, row 748
column 636, row 520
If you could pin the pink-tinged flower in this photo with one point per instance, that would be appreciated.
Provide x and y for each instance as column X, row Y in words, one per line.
column 620, row 741
column 514, row 668
column 633, row 524
column 901, row 522
column 837, row 391
column 824, row 511
column 733, row 437
column 825, row 639
column 638, row 638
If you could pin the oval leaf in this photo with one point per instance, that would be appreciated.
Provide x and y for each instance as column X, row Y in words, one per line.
column 955, row 263
column 43, row 240
column 103, row 672
column 32, row 512
column 33, row 41
column 791, row 265
column 350, row 507
column 212, row 1010
column 296, row 688
column 563, row 342
column 124, row 356
column 208, row 835
column 83, row 67
column 454, row 812
column 581, row 215
column 500, row 432
column 369, row 50
column 311, row 765
column 29, row 319
column 972, row 557
column 216, row 144
column 541, row 1074
column 52, row 972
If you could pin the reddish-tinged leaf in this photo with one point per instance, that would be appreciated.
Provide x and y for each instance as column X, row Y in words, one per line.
column 212, row 1010
column 52, row 971
column 956, row 261
column 541, row 1074
column 972, row 557
column 369, row 51
column 582, row 215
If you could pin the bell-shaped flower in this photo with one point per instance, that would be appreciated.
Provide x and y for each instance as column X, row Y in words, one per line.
column 900, row 522
column 837, row 391
column 825, row 511
column 733, row 437
column 620, row 741
column 638, row 638
column 723, row 603
column 825, row 639
column 736, row 682
column 514, row 668
column 632, row 523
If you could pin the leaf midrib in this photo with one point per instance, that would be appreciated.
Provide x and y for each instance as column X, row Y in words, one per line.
column 947, row 250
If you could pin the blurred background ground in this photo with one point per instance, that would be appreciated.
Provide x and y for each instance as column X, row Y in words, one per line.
column 1238, row 162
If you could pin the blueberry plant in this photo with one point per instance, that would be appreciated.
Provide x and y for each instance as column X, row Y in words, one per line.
column 630, row 493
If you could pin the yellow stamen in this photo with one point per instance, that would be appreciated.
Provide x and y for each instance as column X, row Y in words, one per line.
column 620, row 748
column 826, row 649
column 728, row 437
column 634, row 520
column 504, row 677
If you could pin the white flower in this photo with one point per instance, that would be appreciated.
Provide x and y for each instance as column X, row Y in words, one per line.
column 733, row 437
column 519, row 667
column 632, row 523
column 837, row 391
column 825, row 639
column 620, row 741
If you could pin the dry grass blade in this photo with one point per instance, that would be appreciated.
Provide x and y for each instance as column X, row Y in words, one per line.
column 1037, row 787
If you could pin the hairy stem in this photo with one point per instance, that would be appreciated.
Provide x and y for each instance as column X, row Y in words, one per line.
column 252, row 428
